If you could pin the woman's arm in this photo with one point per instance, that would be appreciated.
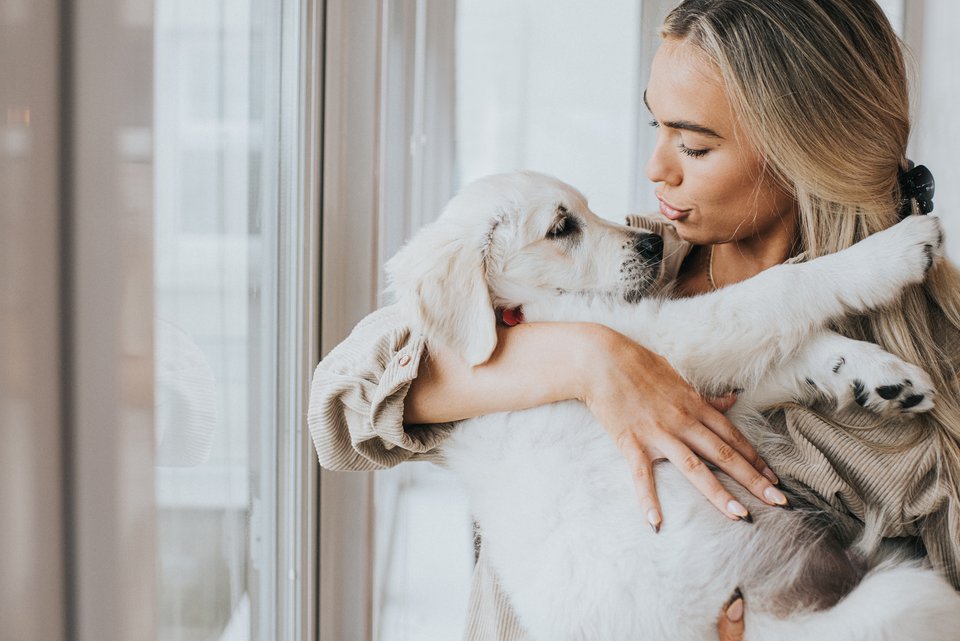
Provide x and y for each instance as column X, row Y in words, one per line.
column 648, row 410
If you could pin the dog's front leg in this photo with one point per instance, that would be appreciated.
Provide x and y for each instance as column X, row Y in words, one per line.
column 736, row 334
column 847, row 372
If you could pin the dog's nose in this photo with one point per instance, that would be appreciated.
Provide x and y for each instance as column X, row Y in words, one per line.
column 650, row 247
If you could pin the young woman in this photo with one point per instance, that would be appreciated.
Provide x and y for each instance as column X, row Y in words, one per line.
column 782, row 128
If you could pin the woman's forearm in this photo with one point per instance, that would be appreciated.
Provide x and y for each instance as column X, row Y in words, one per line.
column 533, row 364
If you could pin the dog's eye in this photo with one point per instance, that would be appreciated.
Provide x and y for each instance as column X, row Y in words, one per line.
column 564, row 226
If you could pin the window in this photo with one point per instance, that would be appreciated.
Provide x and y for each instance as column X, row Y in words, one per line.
column 215, row 333
column 232, row 270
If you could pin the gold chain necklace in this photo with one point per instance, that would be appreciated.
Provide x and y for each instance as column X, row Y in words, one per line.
column 710, row 282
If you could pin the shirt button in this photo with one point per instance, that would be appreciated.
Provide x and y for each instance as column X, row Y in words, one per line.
column 404, row 360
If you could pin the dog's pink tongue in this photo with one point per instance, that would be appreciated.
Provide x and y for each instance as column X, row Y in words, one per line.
column 512, row 317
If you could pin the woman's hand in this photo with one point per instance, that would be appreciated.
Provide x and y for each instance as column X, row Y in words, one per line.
column 730, row 622
column 652, row 414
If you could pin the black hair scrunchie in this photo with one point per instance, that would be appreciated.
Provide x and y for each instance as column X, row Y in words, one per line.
column 916, row 183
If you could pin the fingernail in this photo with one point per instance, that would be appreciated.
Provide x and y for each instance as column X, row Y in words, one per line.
column 736, row 508
column 767, row 472
column 775, row 496
column 653, row 516
column 735, row 609
column 736, row 594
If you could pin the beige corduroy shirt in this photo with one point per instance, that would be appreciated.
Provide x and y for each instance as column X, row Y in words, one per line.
column 882, row 473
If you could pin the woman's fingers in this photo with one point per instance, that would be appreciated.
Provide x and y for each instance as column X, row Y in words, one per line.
column 719, row 424
column 730, row 625
column 722, row 403
column 653, row 414
column 721, row 453
column 641, row 467
column 697, row 472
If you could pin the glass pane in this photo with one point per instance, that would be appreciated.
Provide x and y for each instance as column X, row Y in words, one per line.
column 216, row 331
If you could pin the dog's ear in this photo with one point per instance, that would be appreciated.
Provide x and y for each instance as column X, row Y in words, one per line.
column 440, row 276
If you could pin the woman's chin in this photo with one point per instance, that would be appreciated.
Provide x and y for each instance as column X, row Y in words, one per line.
column 692, row 233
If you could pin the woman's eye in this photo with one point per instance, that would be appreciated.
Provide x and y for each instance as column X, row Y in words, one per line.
column 693, row 153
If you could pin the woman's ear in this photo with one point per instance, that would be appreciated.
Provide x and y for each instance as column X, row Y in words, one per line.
column 440, row 277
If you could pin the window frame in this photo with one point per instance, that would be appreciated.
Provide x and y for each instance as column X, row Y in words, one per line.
column 349, row 229
column 299, row 105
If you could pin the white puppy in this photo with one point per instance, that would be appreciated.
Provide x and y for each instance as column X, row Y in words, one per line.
column 554, row 497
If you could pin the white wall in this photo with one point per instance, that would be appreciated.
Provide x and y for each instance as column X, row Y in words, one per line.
column 931, row 32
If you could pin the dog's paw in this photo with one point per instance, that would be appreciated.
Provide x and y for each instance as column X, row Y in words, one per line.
column 911, row 247
column 874, row 272
column 879, row 382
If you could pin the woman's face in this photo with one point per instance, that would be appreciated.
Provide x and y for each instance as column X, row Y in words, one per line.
column 710, row 178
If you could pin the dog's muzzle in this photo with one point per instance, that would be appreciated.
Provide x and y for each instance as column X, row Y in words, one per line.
column 641, row 270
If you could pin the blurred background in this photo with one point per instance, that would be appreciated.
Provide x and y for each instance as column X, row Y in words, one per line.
column 196, row 201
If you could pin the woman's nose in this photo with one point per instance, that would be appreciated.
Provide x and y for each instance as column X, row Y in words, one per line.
column 662, row 166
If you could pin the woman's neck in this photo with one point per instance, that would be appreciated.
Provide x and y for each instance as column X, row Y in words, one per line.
column 710, row 267
column 732, row 262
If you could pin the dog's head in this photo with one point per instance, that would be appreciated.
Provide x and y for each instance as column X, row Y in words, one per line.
column 510, row 239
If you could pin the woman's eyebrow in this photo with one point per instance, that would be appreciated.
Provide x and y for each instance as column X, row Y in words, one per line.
column 684, row 124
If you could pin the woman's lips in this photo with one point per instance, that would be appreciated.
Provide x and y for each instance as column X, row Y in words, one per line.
column 671, row 212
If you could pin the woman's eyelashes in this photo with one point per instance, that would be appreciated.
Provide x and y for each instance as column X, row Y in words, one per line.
column 687, row 151
column 693, row 153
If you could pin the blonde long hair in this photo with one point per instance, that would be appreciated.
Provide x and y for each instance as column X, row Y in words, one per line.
column 821, row 89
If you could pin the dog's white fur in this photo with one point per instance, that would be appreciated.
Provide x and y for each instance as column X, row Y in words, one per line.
column 554, row 498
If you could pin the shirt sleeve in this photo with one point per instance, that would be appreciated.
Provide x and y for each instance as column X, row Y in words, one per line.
column 675, row 249
column 490, row 616
column 357, row 395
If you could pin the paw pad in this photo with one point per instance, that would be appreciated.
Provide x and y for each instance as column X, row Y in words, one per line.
column 912, row 401
column 888, row 392
column 893, row 398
